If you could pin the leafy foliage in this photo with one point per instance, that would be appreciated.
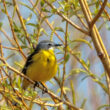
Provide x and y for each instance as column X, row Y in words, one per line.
column 81, row 75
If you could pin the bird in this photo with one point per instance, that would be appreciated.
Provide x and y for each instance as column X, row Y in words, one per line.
column 41, row 65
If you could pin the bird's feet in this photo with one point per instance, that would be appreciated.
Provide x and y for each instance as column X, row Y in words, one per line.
column 36, row 84
column 45, row 90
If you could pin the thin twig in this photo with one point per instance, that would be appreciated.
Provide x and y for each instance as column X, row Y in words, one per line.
column 66, row 19
column 98, row 43
column 98, row 14
column 37, row 101
column 100, row 48
column 72, row 53
column 10, row 79
column 81, row 20
column 65, row 54
column 21, row 21
column 31, row 81
column 10, row 48
column 105, row 11
column 7, row 100
column 12, row 29
column 48, row 23
column 10, row 40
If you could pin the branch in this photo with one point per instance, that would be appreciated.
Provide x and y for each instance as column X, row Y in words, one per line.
column 66, row 19
column 12, row 29
column 21, row 21
column 98, row 43
column 71, row 52
column 32, row 82
column 98, row 14
column 64, row 65
column 48, row 23
column 105, row 11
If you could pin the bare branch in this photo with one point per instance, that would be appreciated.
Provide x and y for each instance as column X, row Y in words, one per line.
column 66, row 19
column 98, row 14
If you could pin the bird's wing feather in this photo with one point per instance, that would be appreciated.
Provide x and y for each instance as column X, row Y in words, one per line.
column 28, row 62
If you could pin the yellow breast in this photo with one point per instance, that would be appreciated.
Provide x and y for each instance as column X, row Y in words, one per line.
column 44, row 66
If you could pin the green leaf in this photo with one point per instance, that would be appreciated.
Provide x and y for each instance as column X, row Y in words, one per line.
column 9, row 3
column 73, row 92
column 97, row 4
column 85, row 77
column 36, row 3
column 42, row 3
column 52, row 82
column 3, row 11
column 18, row 64
column 102, row 75
column 29, row 17
column 88, row 63
column 108, row 4
column 44, row 31
column 58, row 72
column 31, row 24
column 84, row 41
column 45, row 10
column 45, row 17
column 76, row 71
column 64, row 89
column 16, row 28
column 19, row 83
column 54, row 11
column 1, row 24
column 14, row 12
column 2, row 64
column 59, row 29
column 45, row 99
column 61, row 3
column 102, row 85
column 67, row 58
column 83, row 103
column 103, row 106
column 67, row 7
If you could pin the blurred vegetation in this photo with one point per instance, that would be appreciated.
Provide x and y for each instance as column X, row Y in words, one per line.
column 83, row 79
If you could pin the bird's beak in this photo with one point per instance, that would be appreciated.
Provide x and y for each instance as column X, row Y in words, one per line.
column 57, row 45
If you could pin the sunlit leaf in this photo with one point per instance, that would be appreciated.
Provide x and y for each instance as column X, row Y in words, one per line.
column 83, row 103
column 29, row 17
column 31, row 24
column 65, row 89
column 106, row 107
column 1, row 24
column 36, row 3
column 42, row 3
column 19, row 83
column 59, row 29
column 73, row 92
column 67, row 58
column 18, row 64
column 84, row 41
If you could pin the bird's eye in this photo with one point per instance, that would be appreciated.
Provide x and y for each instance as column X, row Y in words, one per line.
column 50, row 44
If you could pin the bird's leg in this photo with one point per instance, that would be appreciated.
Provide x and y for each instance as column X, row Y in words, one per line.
column 36, row 84
column 45, row 90
column 42, row 84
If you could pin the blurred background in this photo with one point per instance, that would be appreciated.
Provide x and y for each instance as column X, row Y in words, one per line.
column 81, row 89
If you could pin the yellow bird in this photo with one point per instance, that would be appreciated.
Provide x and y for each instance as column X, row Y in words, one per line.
column 41, row 65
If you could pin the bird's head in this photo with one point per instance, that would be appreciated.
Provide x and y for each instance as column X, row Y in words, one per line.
column 47, row 45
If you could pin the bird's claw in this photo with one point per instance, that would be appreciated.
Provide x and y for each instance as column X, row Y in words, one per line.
column 45, row 90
